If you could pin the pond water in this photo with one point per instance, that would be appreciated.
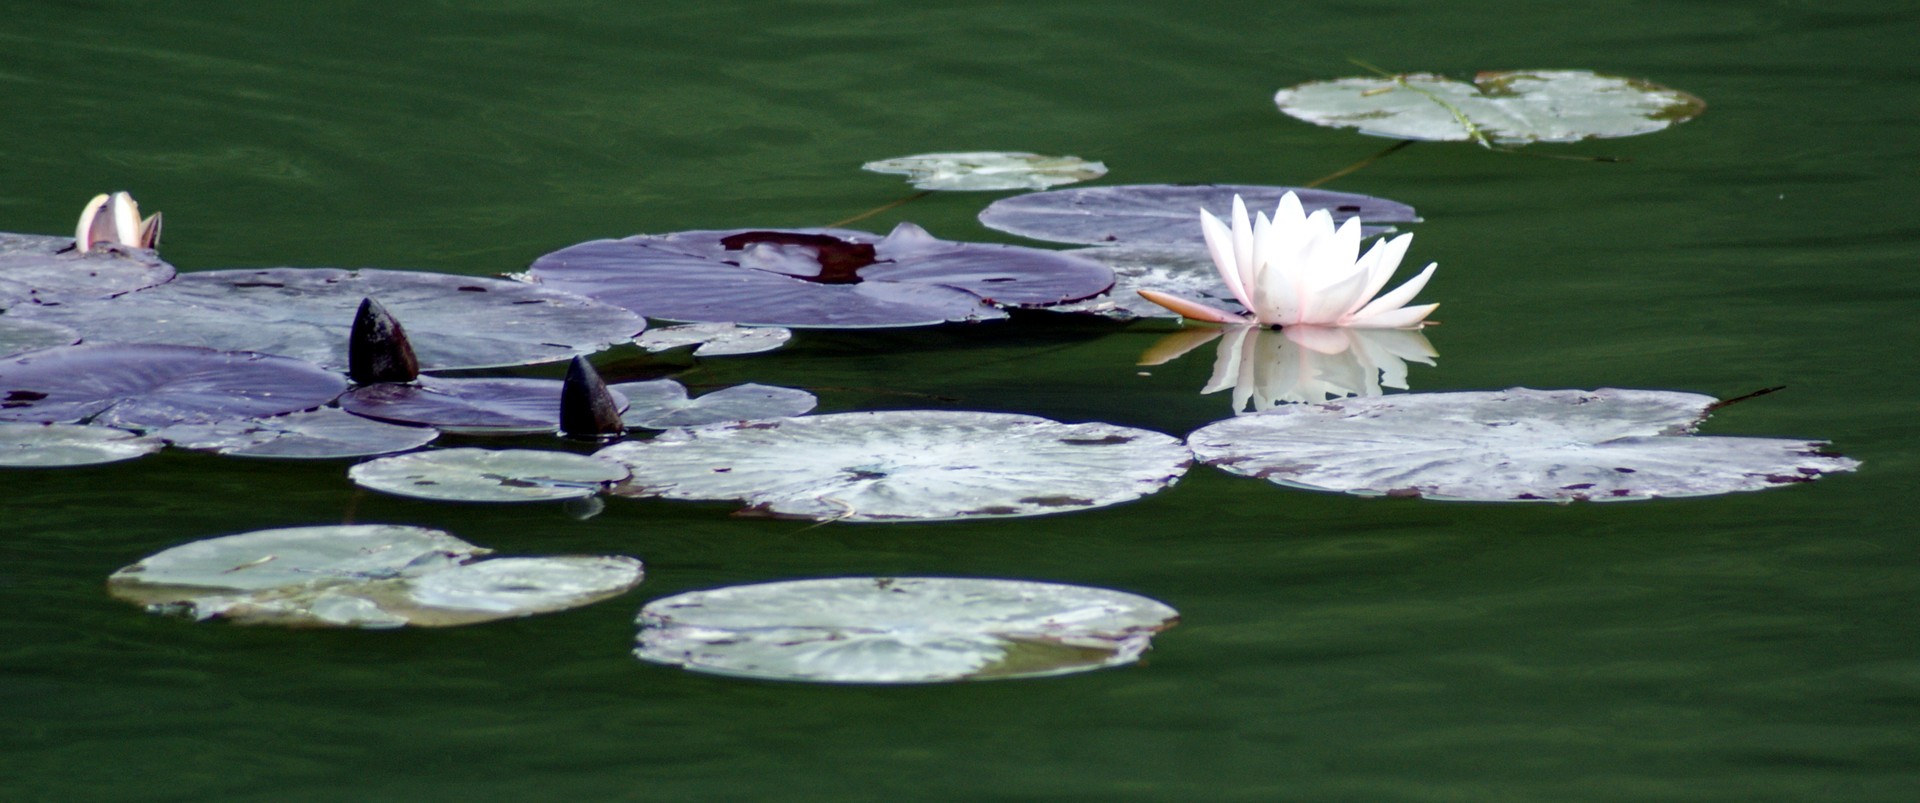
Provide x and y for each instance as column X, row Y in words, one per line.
column 1748, row 647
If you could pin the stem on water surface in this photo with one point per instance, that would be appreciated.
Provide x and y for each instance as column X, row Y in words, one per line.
column 882, row 208
column 1357, row 165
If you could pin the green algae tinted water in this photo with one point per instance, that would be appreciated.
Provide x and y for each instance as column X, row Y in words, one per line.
column 1742, row 648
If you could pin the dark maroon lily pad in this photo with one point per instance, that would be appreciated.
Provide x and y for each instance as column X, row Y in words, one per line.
column 1167, row 214
column 829, row 278
column 41, row 269
column 485, row 406
column 145, row 386
column 453, row 322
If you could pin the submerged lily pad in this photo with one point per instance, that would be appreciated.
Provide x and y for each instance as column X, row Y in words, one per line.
column 19, row 335
column 899, row 629
column 920, row 465
column 989, row 170
column 1167, row 214
column 714, row 339
column 25, row 445
column 369, row 576
column 834, row 278
column 39, row 269
column 1513, row 445
column 488, row 475
column 148, row 386
column 1508, row 108
column 453, row 322
column 478, row 406
column 325, row 433
column 663, row 404
column 1184, row 271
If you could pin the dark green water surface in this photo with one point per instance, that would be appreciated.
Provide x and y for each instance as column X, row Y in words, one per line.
column 1754, row 647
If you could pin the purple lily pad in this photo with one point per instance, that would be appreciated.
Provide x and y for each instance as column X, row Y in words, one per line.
column 454, row 322
column 1166, row 214
column 326, row 433
column 19, row 335
column 822, row 278
column 485, row 406
column 145, row 386
column 42, row 269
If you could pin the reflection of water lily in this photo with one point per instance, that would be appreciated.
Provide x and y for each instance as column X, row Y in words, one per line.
column 1299, row 269
column 115, row 220
column 1310, row 364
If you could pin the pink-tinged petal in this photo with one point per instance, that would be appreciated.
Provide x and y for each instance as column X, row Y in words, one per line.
column 1403, row 318
column 90, row 218
column 150, row 232
column 1262, row 286
column 1220, row 246
column 1243, row 243
column 1400, row 295
column 1379, row 263
column 1327, row 306
column 1347, row 241
column 1323, row 339
column 1191, row 309
column 126, row 219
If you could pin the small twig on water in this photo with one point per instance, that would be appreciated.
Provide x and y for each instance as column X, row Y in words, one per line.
column 882, row 208
column 1357, row 165
column 1737, row 399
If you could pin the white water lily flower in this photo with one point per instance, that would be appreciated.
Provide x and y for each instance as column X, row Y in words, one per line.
column 1299, row 269
column 115, row 220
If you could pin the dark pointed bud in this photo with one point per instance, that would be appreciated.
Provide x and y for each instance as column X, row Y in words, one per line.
column 587, row 408
column 378, row 350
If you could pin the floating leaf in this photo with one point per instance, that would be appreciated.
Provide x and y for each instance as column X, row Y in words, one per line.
column 715, row 339
column 836, row 278
column 325, row 433
column 453, row 321
column 20, row 335
column 369, row 575
column 476, row 406
column 487, row 475
column 1166, row 214
column 989, row 170
column 25, row 445
column 1183, row 271
column 1269, row 367
column 1507, row 108
column 1513, row 445
column 663, row 404
column 147, row 386
column 899, row 629
column 923, row 465
column 37, row 269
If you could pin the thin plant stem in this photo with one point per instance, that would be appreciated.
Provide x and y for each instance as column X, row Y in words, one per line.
column 1360, row 164
column 882, row 208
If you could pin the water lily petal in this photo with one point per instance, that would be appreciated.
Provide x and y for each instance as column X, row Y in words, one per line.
column 1402, row 318
column 1243, row 244
column 1379, row 263
column 1397, row 298
column 1220, row 245
column 1191, row 309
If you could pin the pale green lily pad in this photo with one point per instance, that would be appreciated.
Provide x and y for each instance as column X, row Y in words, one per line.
column 1517, row 445
column 326, row 433
column 715, row 339
column 904, row 465
column 663, row 404
column 1185, row 271
column 1504, row 108
column 899, row 629
column 488, row 475
column 19, row 335
column 989, row 170
column 34, row 445
column 366, row 576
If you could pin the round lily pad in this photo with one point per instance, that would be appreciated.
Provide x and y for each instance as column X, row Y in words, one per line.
column 1183, row 271
column 39, row 269
column 149, row 386
column 369, row 576
column 1167, row 214
column 1511, row 108
column 714, row 339
column 19, row 335
column 488, row 475
column 24, row 445
column 478, row 406
column 834, row 278
column 1513, row 445
column 899, row 629
column 452, row 321
column 989, row 170
column 663, row 404
column 907, row 465
column 326, row 433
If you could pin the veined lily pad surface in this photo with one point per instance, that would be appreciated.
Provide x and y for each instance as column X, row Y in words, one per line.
column 1166, row 214
column 328, row 432
column 25, row 445
column 454, row 321
column 488, row 475
column 714, row 339
column 1510, row 108
column 899, row 629
column 1266, row 367
column 663, row 404
column 149, row 386
column 989, row 170
column 831, row 278
column 19, row 334
column 367, row 576
column 1506, row 446
column 905, row 465
column 41, row 269
column 1179, row 270
column 475, row 406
